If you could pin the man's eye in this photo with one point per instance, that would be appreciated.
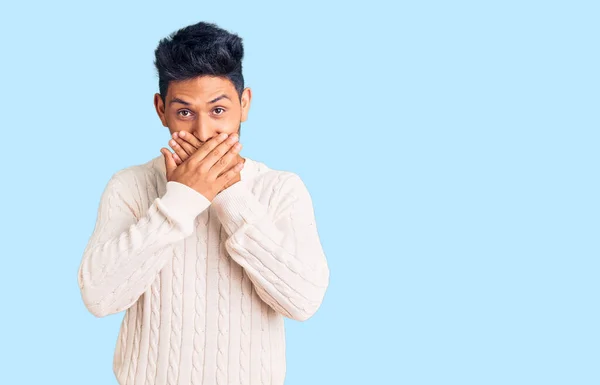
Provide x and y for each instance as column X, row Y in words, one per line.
column 182, row 111
column 219, row 108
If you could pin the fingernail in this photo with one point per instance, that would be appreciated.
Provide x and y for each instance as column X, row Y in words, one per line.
column 182, row 134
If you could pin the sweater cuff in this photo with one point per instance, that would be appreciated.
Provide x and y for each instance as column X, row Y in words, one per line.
column 182, row 204
column 236, row 206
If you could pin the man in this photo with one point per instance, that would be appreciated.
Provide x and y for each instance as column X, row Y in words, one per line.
column 206, row 250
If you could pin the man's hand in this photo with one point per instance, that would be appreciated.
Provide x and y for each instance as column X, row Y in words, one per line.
column 210, row 168
column 185, row 144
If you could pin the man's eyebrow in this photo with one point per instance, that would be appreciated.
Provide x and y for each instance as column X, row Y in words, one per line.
column 177, row 100
column 219, row 98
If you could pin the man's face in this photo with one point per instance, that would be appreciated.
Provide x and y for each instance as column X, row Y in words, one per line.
column 204, row 106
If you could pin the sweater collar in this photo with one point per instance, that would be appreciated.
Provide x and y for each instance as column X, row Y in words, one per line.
column 248, row 172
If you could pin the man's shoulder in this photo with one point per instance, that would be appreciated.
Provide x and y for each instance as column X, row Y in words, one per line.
column 278, row 180
column 266, row 173
column 137, row 174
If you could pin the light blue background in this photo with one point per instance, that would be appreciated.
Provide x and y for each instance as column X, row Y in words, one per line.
column 451, row 150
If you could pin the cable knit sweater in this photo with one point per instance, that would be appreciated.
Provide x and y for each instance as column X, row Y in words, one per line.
column 205, row 285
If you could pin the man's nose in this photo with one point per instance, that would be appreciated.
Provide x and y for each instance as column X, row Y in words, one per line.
column 203, row 133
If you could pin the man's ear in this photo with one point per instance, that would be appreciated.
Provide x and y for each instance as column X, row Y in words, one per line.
column 245, row 102
column 160, row 108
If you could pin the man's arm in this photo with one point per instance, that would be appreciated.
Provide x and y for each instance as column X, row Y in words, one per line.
column 278, row 247
column 126, row 251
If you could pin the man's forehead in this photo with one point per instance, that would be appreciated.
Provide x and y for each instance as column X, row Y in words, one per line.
column 204, row 83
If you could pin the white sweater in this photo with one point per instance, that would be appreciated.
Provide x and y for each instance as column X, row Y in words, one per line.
column 205, row 285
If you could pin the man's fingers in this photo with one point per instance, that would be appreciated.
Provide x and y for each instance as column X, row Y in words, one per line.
column 178, row 160
column 227, row 160
column 187, row 147
column 206, row 148
column 229, row 183
column 169, row 161
column 190, row 138
column 219, row 152
column 178, row 150
column 228, row 176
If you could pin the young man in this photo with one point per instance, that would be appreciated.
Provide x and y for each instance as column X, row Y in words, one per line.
column 206, row 251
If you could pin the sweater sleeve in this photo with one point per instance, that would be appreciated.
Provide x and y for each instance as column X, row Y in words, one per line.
column 278, row 246
column 126, row 250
